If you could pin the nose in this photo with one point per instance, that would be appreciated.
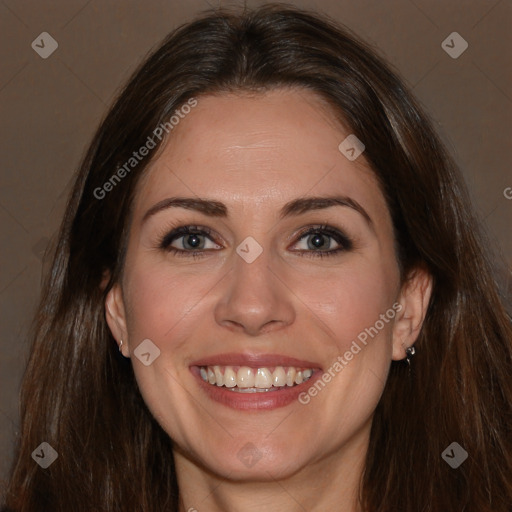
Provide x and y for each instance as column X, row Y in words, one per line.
column 255, row 299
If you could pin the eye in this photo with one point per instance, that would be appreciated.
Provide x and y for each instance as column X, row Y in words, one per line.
column 319, row 241
column 188, row 240
column 195, row 241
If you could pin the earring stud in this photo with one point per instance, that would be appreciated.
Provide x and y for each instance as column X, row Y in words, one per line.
column 120, row 345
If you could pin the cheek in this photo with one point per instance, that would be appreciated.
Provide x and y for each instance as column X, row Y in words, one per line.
column 351, row 300
column 162, row 302
column 357, row 306
column 164, row 305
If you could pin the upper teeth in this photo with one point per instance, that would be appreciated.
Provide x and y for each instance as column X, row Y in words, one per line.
column 246, row 377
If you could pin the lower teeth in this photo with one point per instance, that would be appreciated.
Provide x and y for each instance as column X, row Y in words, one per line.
column 252, row 390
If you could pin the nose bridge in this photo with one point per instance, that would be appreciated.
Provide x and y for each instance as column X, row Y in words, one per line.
column 251, row 268
column 252, row 280
column 254, row 297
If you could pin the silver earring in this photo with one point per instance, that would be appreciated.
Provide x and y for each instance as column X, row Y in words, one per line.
column 410, row 353
column 120, row 345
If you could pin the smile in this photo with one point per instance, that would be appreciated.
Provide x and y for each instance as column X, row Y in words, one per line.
column 251, row 381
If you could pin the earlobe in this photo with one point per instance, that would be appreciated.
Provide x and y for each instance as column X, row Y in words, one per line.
column 115, row 316
column 414, row 299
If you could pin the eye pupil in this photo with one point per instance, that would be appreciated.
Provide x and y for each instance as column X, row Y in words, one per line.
column 318, row 241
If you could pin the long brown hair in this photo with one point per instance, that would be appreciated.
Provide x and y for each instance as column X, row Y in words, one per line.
column 79, row 394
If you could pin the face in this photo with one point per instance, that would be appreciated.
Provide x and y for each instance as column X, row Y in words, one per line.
column 280, row 268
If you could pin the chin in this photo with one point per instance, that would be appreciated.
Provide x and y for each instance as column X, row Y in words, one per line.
column 255, row 461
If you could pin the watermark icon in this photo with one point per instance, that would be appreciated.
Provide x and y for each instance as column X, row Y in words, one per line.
column 454, row 45
column 508, row 193
column 351, row 147
column 44, row 455
column 454, row 455
column 146, row 352
column 143, row 151
column 44, row 45
column 249, row 249
column 39, row 249
column 249, row 455
column 355, row 348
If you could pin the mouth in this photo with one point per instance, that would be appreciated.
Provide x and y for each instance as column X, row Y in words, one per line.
column 254, row 382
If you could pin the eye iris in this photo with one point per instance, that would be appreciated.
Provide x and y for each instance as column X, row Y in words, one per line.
column 317, row 241
column 196, row 241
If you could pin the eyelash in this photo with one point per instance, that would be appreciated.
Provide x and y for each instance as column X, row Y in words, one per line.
column 176, row 233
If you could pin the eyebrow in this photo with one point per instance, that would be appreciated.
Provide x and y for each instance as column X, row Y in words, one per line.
column 298, row 206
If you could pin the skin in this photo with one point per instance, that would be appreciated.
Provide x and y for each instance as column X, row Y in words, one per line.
column 254, row 153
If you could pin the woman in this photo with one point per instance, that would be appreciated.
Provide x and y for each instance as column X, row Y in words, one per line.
column 268, row 293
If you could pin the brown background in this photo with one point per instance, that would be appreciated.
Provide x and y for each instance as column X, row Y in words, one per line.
column 50, row 108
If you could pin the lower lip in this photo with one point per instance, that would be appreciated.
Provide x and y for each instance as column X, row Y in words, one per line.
column 255, row 401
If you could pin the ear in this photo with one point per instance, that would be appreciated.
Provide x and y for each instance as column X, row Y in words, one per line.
column 116, row 317
column 414, row 300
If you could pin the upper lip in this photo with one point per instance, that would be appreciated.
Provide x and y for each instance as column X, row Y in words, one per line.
column 254, row 360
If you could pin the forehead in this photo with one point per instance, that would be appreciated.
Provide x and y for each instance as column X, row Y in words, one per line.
column 250, row 149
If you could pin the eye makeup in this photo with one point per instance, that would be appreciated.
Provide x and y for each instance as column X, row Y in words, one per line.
column 192, row 236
